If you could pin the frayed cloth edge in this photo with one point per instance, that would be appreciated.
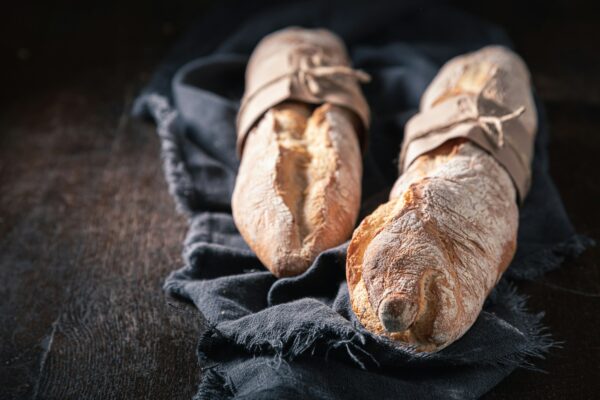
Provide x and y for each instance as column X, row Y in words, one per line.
column 176, row 174
column 216, row 384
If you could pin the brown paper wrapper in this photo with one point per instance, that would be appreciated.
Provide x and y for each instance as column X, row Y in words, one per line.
column 500, row 118
column 307, row 65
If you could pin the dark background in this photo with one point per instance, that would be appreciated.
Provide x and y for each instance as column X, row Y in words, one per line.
column 88, row 231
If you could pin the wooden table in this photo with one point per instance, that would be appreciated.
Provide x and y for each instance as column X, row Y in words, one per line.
column 88, row 231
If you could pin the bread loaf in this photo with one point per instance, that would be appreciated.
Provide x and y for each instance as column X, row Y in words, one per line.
column 301, row 125
column 298, row 187
column 421, row 265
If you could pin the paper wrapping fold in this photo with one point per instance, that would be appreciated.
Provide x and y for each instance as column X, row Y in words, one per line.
column 308, row 65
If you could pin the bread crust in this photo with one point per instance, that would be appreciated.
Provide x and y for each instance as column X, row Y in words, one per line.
column 298, row 187
column 436, row 250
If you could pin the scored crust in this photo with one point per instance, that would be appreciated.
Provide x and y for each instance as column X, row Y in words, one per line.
column 298, row 187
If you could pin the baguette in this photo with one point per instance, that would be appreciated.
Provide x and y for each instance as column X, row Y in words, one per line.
column 297, row 191
column 301, row 126
column 421, row 265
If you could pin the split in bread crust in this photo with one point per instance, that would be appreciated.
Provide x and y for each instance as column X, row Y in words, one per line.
column 298, row 187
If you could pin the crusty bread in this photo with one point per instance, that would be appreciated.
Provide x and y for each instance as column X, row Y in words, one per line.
column 297, row 191
column 421, row 265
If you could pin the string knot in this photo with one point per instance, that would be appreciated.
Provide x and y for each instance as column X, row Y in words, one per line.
column 313, row 66
column 485, row 121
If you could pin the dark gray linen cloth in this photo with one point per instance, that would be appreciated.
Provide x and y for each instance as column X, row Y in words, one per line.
column 297, row 338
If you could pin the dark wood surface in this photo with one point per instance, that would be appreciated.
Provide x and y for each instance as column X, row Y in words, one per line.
column 88, row 231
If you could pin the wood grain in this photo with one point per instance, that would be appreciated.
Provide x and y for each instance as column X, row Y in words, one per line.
column 88, row 231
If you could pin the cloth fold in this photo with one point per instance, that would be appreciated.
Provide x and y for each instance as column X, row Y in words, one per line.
column 297, row 337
